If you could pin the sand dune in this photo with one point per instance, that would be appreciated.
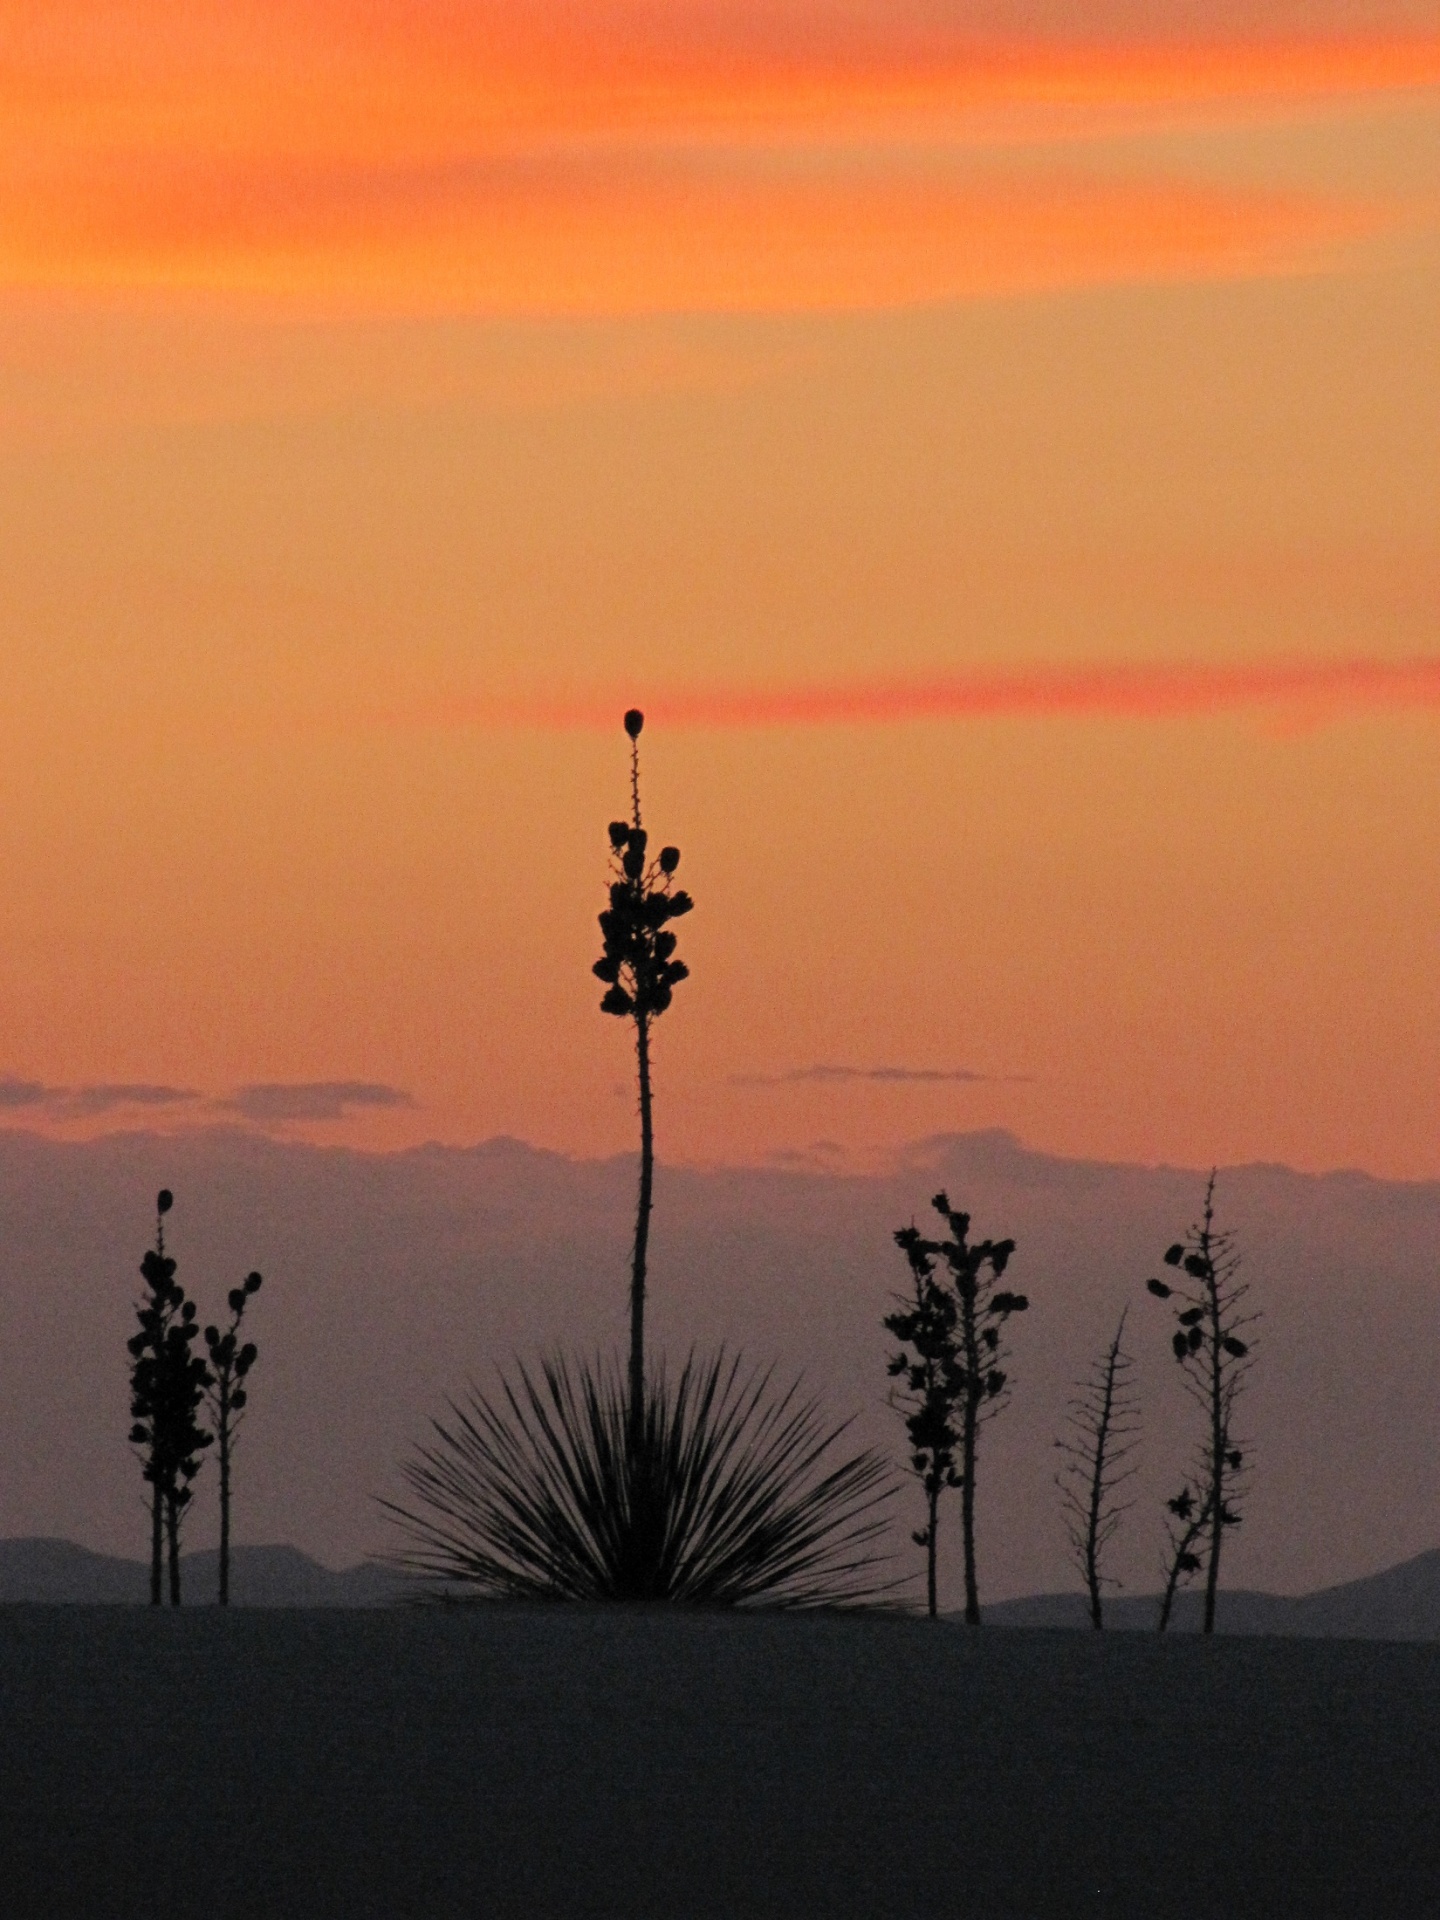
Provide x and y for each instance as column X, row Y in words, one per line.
column 576, row 1763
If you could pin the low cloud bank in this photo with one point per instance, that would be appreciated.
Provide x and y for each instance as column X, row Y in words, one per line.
column 277, row 1102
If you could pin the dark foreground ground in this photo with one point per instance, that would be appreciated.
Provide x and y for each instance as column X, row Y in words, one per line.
column 585, row 1763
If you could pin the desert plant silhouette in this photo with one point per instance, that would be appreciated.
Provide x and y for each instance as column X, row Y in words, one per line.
column 934, row 1379
column 593, row 1481
column 640, row 973
column 1104, row 1432
column 154, row 1312
column 724, row 1497
column 226, row 1392
column 955, row 1379
column 167, row 1386
column 1189, row 1515
column 1209, row 1315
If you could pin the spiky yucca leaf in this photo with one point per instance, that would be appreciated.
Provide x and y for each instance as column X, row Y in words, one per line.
column 727, row 1499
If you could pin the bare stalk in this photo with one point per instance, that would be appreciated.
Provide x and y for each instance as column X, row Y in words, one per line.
column 1104, row 1423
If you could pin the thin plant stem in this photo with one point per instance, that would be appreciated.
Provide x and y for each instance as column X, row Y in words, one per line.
column 931, row 1588
column 1095, row 1515
column 1176, row 1568
column 642, row 1223
column 1217, row 1410
column 157, row 1542
column 223, row 1430
column 968, row 1457
column 172, row 1531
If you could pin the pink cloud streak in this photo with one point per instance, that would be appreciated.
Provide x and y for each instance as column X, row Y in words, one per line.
column 1299, row 692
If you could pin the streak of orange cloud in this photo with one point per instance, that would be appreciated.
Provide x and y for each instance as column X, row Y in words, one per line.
column 407, row 83
column 629, row 238
column 1297, row 691
column 603, row 159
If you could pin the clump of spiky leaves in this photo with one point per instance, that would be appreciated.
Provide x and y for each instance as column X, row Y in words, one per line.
column 724, row 1495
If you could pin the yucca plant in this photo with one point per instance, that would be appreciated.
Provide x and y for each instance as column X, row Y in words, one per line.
column 722, row 1495
column 156, row 1310
column 953, row 1377
column 932, row 1373
column 167, row 1390
column 600, row 1482
column 227, row 1394
column 1210, row 1312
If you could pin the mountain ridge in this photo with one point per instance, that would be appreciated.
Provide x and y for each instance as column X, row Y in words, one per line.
column 1398, row 1603
column 47, row 1571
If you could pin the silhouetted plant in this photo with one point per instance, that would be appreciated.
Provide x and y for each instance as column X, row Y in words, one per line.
column 956, row 1378
column 722, row 1496
column 154, row 1312
column 167, row 1386
column 1189, row 1516
column 934, row 1387
column 1209, row 1316
column 640, row 974
column 1104, row 1423
column 227, row 1395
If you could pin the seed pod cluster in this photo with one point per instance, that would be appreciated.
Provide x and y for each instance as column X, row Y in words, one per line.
column 168, row 1379
column 231, row 1361
column 638, row 966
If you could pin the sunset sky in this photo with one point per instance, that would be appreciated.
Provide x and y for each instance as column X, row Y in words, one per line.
column 998, row 444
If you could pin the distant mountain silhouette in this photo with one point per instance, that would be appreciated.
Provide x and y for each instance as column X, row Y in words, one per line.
column 59, row 1572
column 1402, row 1603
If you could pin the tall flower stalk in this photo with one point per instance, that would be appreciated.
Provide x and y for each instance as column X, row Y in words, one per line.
column 953, row 1377
column 1209, row 1306
column 167, row 1388
column 640, row 974
column 226, row 1393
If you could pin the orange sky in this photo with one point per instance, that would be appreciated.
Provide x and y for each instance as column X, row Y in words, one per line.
column 622, row 158
column 1003, row 453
